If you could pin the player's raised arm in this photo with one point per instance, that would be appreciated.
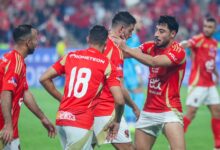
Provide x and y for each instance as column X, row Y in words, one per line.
column 34, row 108
column 46, row 81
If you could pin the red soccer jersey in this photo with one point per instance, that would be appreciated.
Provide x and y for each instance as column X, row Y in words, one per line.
column 86, row 71
column 13, row 78
column 164, row 82
column 204, row 51
column 105, row 101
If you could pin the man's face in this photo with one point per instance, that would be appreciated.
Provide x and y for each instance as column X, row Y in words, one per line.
column 208, row 28
column 126, row 31
column 33, row 41
column 163, row 35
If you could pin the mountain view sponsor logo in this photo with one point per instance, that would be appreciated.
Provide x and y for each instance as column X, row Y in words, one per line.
column 88, row 58
column 155, row 84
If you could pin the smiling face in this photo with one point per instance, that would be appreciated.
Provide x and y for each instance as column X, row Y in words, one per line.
column 209, row 28
column 163, row 36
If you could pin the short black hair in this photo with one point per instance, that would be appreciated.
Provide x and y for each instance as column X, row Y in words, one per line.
column 98, row 35
column 211, row 19
column 171, row 22
column 123, row 17
column 21, row 32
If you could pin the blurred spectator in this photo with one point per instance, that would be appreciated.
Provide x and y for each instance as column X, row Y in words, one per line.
column 57, row 17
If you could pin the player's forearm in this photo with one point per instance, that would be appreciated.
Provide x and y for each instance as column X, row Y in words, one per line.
column 119, row 110
column 127, row 98
column 50, row 87
column 143, row 58
column 6, row 103
column 30, row 102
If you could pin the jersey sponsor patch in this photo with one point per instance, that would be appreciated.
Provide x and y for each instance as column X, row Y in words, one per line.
column 64, row 115
column 13, row 81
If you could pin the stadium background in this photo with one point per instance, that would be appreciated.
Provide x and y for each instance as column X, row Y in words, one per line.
column 69, row 21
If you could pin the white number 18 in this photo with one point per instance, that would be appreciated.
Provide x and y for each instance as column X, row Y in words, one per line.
column 79, row 80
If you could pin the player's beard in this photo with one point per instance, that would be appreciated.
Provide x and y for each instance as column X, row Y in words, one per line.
column 163, row 43
column 31, row 51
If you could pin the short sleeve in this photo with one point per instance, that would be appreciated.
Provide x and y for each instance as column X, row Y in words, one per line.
column 12, row 72
column 59, row 66
column 176, row 54
column 26, row 84
column 112, row 78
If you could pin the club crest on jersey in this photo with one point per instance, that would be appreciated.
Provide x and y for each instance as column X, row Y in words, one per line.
column 13, row 81
column 20, row 101
column 120, row 67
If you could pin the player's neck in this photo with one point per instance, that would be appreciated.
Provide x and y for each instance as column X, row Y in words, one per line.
column 97, row 47
column 167, row 45
column 21, row 50
column 113, row 33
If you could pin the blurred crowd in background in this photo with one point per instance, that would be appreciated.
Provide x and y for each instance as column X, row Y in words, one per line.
column 70, row 20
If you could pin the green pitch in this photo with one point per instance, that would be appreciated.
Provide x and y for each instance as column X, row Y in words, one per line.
column 34, row 137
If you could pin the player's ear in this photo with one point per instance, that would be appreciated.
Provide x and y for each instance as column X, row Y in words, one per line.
column 173, row 34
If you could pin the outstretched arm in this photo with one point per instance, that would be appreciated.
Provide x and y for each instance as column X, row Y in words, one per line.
column 157, row 61
column 47, row 83
column 30, row 102
column 185, row 44
column 6, row 104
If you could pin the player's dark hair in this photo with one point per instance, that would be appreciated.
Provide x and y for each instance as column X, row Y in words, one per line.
column 21, row 32
column 211, row 19
column 98, row 35
column 171, row 22
column 123, row 17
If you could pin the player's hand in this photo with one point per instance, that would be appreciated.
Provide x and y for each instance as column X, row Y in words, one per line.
column 49, row 126
column 7, row 134
column 112, row 129
column 137, row 112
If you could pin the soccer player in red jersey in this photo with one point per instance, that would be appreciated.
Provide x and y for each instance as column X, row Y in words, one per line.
column 122, row 26
column 202, row 88
column 162, row 110
column 86, row 72
column 14, row 88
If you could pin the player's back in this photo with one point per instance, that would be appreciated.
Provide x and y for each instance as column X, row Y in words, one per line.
column 86, row 71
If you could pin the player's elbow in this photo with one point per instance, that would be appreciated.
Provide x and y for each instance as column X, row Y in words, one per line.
column 120, row 101
column 42, row 80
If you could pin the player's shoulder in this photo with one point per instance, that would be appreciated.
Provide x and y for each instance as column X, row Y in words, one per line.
column 177, row 47
column 147, row 46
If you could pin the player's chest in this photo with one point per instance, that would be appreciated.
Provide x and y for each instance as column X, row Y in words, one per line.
column 208, row 49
